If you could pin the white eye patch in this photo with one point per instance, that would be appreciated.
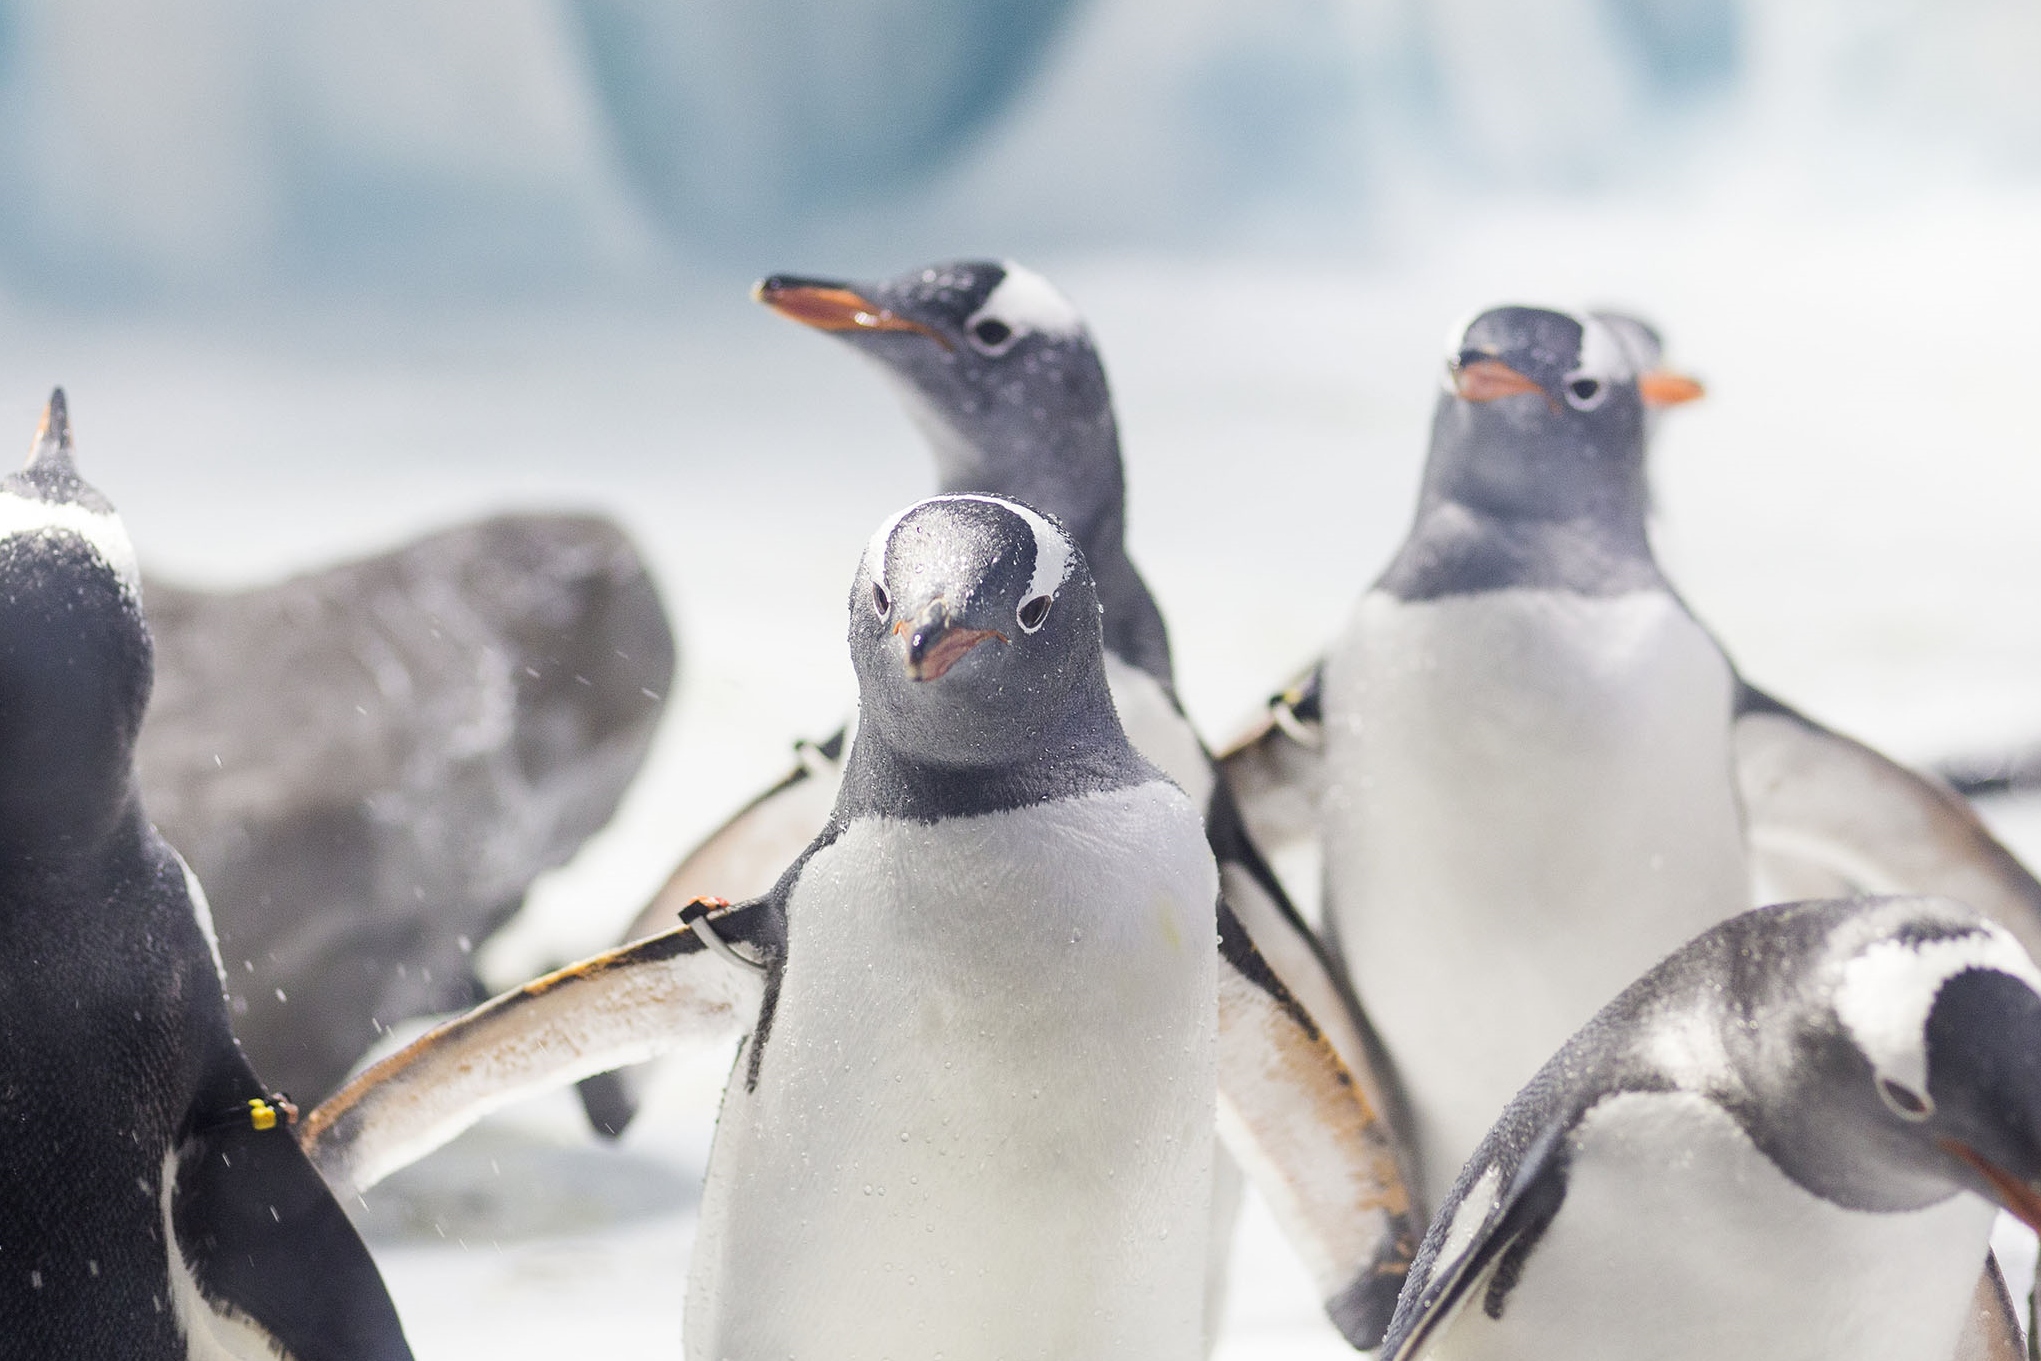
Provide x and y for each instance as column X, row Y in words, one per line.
column 1054, row 556
column 104, row 534
column 1887, row 992
column 1603, row 357
column 1024, row 301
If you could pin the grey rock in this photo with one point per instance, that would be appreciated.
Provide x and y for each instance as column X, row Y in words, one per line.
column 368, row 765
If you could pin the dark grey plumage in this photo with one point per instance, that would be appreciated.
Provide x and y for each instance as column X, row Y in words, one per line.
column 368, row 765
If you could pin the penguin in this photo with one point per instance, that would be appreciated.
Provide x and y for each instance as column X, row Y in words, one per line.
column 996, row 1010
column 1789, row 1138
column 153, row 1202
column 999, row 372
column 1535, row 772
column 370, row 763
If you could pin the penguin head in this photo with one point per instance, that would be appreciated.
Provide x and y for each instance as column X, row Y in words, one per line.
column 974, row 629
column 998, row 371
column 1543, row 414
column 76, row 663
column 1913, row 1064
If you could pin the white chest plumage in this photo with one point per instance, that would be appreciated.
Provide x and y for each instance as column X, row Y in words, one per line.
column 982, row 1126
column 1530, row 801
column 1158, row 731
column 1678, row 1239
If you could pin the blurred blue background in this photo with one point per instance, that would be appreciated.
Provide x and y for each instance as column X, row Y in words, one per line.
column 444, row 147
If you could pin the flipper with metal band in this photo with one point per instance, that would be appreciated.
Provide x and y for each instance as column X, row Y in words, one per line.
column 1314, row 1136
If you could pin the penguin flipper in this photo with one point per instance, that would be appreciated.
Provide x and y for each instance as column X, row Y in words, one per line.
column 1308, row 1124
column 620, row 1007
column 274, row 1260
column 1490, row 1256
column 1991, row 1326
column 1827, row 812
column 740, row 860
column 1276, row 769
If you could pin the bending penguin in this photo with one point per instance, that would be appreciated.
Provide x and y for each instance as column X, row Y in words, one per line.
column 1000, row 374
column 975, row 1107
column 153, row 1203
column 1787, row 1139
column 1534, row 772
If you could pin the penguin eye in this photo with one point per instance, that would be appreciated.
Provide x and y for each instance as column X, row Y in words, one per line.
column 991, row 334
column 1585, row 394
column 1904, row 1102
column 880, row 604
column 1032, row 613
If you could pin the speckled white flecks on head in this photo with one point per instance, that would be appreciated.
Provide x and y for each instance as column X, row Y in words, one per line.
column 1887, row 992
column 104, row 534
column 1054, row 555
column 1025, row 301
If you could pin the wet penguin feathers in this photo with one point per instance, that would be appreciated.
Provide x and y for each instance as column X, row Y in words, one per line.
column 1864, row 1062
column 153, row 1203
column 992, row 599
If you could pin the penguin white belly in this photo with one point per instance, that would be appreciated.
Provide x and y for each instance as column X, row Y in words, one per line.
column 1159, row 732
column 983, row 1118
column 1530, row 802
column 1679, row 1240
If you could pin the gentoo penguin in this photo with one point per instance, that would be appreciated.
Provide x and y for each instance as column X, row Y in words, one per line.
column 999, row 372
column 368, row 764
column 974, row 1112
column 1786, row 1140
column 1537, row 772
column 153, row 1203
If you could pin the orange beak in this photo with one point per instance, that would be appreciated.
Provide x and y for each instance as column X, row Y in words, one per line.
column 833, row 307
column 2019, row 1198
column 1662, row 387
column 1485, row 380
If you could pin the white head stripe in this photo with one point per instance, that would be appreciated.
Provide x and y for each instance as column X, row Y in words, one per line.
column 1888, row 990
column 1468, row 1217
column 1052, row 550
column 1602, row 353
column 104, row 534
column 1025, row 301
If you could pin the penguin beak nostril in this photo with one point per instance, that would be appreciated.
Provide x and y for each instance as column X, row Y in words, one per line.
column 2021, row 1199
column 833, row 307
column 1486, row 380
column 934, row 645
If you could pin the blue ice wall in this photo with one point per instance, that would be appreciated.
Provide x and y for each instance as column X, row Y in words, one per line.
column 463, row 146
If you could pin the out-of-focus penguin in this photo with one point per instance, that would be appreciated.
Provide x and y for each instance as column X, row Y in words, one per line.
column 975, row 1108
column 1535, row 771
column 1786, row 1140
column 153, row 1203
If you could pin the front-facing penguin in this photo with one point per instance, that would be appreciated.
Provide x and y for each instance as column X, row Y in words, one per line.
column 1540, row 772
column 1786, row 1140
column 153, row 1204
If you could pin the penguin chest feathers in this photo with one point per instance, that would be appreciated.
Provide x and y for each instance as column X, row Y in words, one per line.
column 982, row 1121
column 1678, row 1238
column 1531, row 800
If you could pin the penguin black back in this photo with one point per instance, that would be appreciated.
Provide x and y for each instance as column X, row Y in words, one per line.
column 152, row 1201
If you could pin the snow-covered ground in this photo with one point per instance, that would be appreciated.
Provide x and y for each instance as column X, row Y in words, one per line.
column 1853, row 509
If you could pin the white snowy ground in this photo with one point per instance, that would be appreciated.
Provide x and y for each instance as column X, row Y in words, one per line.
column 1853, row 509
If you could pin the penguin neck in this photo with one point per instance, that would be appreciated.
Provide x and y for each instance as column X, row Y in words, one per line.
column 1087, row 753
column 1460, row 547
column 86, row 848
